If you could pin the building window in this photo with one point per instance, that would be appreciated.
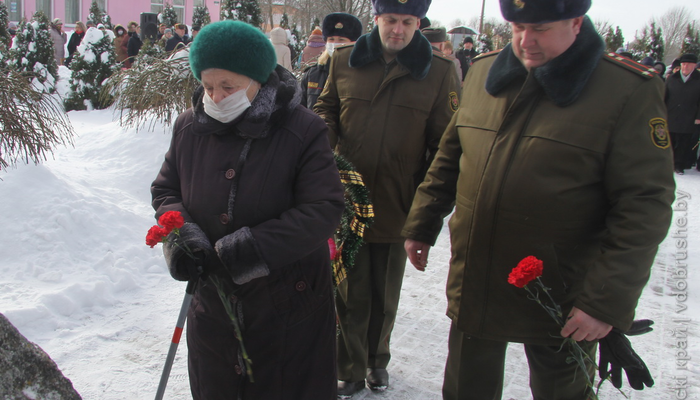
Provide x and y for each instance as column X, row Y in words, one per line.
column 157, row 6
column 179, row 6
column 72, row 11
column 15, row 9
column 198, row 3
column 45, row 7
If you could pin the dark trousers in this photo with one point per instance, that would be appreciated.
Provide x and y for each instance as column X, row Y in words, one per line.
column 475, row 370
column 366, row 305
column 684, row 156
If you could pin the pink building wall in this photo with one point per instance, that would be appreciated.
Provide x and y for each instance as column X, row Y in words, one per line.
column 121, row 11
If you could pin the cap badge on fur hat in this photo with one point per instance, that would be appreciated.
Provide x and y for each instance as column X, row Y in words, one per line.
column 403, row 1
column 519, row 3
column 339, row 25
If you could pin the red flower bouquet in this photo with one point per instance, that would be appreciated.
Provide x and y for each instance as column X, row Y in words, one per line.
column 530, row 269
column 170, row 221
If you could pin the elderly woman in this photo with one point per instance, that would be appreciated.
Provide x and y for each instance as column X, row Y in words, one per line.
column 253, row 175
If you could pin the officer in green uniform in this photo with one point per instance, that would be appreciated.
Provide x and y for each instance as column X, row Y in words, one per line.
column 559, row 151
column 387, row 102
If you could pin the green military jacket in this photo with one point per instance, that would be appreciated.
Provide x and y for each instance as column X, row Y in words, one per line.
column 388, row 120
column 570, row 163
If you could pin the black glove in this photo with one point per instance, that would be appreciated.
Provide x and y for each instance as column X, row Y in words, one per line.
column 616, row 354
column 182, row 267
column 188, row 268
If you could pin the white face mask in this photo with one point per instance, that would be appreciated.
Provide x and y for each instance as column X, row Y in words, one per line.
column 229, row 108
column 330, row 47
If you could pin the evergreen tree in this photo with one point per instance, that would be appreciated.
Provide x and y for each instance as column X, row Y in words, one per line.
column 691, row 42
column 284, row 22
column 107, row 21
column 640, row 47
column 485, row 42
column 96, row 15
column 228, row 10
column 614, row 40
column 200, row 16
column 168, row 16
column 93, row 62
column 149, row 52
column 249, row 11
column 32, row 54
column 656, row 43
column 4, row 33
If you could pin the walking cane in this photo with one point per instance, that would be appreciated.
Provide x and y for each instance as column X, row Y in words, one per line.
column 176, row 338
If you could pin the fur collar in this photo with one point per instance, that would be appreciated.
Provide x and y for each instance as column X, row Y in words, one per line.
column 563, row 78
column 416, row 57
column 275, row 100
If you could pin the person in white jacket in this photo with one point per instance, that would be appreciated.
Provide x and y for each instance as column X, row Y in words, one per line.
column 278, row 37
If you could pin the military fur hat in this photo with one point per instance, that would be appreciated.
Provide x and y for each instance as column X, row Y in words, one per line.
column 435, row 35
column 416, row 8
column 542, row 11
column 341, row 24
column 234, row 46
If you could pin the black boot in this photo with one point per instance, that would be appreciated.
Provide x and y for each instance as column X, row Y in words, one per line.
column 377, row 378
column 346, row 388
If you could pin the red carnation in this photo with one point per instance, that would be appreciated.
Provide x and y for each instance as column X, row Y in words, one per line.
column 332, row 248
column 171, row 220
column 155, row 235
column 528, row 268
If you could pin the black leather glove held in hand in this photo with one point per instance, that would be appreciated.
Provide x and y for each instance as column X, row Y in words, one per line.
column 616, row 354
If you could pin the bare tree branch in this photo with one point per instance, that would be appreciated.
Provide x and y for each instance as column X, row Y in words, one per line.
column 674, row 24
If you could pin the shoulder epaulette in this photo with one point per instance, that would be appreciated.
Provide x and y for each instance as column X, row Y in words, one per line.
column 486, row 55
column 631, row 65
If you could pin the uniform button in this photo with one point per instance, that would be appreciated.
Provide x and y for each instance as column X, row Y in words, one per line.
column 223, row 218
column 300, row 286
column 230, row 174
column 238, row 369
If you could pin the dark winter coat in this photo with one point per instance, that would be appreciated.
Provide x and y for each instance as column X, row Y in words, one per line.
column 312, row 82
column 133, row 47
column 73, row 43
column 569, row 163
column 175, row 42
column 683, row 102
column 388, row 121
column 465, row 58
column 261, row 196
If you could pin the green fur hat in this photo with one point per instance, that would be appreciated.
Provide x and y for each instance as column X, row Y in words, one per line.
column 234, row 46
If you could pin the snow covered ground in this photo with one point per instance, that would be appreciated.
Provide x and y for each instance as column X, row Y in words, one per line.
column 77, row 279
